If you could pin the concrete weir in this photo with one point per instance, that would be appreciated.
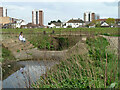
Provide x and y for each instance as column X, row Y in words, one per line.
column 26, row 51
column 47, row 55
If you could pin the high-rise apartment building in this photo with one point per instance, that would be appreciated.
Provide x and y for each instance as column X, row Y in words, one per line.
column 3, row 12
column 90, row 16
column 93, row 16
column 97, row 17
column 37, row 17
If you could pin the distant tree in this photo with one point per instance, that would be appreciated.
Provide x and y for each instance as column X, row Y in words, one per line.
column 54, row 22
column 93, row 21
column 97, row 24
column 59, row 21
column 51, row 22
column 87, row 25
column 110, row 21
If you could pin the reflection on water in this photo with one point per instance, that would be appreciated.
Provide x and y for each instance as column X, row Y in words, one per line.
column 30, row 73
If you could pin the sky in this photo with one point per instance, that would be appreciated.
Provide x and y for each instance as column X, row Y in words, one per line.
column 63, row 10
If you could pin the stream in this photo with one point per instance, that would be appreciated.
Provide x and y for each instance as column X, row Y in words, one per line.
column 30, row 73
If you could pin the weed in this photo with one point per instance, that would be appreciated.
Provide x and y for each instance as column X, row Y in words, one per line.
column 82, row 71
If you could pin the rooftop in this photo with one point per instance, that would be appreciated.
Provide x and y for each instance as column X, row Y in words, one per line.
column 57, row 23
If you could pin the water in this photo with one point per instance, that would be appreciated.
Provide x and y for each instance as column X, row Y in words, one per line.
column 29, row 74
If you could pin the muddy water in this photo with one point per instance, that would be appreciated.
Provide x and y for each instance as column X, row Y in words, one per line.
column 27, row 75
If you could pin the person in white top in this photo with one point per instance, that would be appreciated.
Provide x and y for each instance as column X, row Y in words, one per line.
column 21, row 37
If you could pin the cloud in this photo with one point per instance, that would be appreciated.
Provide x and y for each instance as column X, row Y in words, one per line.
column 62, row 10
column 113, row 4
column 19, row 12
column 60, row 0
column 14, row 7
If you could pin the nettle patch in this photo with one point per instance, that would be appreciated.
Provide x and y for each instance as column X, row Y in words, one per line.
column 45, row 42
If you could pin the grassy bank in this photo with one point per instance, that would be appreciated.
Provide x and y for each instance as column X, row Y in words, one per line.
column 98, row 69
column 46, row 42
column 110, row 31
column 7, row 55
column 9, row 65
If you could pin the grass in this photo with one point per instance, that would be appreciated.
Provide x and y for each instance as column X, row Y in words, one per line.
column 110, row 31
column 42, row 42
column 46, row 42
column 97, row 52
column 7, row 55
column 98, row 69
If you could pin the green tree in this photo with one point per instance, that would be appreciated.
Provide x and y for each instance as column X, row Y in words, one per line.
column 110, row 21
column 93, row 21
column 97, row 24
column 51, row 22
column 59, row 21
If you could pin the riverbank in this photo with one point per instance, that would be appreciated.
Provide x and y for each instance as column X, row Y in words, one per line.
column 45, row 47
column 97, row 69
column 87, row 64
column 10, row 64
column 30, row 73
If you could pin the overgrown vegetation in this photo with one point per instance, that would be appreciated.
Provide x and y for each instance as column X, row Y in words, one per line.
column 43, row 42
column 98, row 69
column 97, row 48
column 7, row 55
column 110, row 31
column 46, row 42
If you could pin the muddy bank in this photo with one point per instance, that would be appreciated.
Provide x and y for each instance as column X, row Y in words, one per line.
column 10, row 68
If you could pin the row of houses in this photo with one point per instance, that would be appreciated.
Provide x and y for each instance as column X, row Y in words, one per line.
column 103, row 23
column 8, row 22
column 31, row 25
column 76, row 23
column 72, row 23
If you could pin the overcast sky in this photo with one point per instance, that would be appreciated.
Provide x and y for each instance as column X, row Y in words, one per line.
column 64, row 11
